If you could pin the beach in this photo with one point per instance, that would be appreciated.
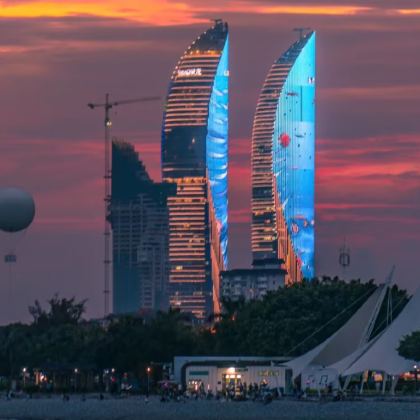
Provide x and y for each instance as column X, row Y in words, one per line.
column 134, row 408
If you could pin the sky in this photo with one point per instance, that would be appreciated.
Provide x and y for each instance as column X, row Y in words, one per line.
column 55, row 57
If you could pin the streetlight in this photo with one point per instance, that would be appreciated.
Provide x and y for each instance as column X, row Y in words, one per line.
column 24, row 377
column 75, row 380
column 415, row 379
column 148, row 380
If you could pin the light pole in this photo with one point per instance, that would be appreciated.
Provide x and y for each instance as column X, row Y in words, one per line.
column 415, row 379
column 148, row 380
column 24, row 377
column 75, row 380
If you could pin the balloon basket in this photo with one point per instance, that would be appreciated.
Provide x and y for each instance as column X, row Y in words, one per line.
column 10, row 258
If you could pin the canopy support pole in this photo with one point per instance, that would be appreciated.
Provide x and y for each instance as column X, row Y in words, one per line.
column 384, row 378
column 361, row 385
column 394, row 384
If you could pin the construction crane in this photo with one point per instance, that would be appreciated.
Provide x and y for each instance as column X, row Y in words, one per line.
column 300, row 30
column 107, row 105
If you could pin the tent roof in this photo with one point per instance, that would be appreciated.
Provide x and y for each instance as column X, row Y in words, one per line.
column 341, row 344
column 344, row 364
column 383, row 355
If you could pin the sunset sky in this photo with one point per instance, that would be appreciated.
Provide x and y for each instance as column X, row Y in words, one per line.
column 55, row 57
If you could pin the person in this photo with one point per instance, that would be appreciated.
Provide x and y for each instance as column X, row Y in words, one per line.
column 101, row 396
column 244, row 391
column 268, row 398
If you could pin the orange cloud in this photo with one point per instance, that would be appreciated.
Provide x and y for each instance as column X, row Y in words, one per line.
column 409, row 11
column 160, row 12
column 316, row 10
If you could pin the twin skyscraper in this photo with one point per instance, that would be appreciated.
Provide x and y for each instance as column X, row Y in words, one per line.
column 193, row 240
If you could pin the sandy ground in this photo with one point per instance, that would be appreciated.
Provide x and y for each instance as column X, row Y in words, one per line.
column 134, row 408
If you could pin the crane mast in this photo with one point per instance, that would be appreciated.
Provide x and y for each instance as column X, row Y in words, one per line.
column 107, row 199
column 107, row 105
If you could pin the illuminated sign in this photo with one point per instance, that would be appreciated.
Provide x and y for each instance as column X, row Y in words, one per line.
column 190, row 72
column 268, row 373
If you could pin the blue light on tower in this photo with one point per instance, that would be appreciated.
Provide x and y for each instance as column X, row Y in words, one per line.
column 294, row 154
column 217, row 147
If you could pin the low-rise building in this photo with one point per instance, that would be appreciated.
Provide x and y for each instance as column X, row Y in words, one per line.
column 253, row 283
column 219, row 373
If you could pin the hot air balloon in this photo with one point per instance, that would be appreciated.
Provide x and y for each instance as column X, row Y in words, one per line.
column 284, row 140
column 17, row 211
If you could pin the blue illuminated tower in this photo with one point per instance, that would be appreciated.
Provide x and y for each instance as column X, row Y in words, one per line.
column 195, row 157
column 283, row 162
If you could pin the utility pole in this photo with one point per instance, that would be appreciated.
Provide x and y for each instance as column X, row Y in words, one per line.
column 107, row 105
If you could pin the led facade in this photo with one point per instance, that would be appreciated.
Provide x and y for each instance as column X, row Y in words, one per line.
column 283, row 162
column 195, row 157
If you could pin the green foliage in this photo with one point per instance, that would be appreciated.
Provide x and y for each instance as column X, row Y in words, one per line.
column 62, row 312
column 410, row 346
column 282, row 323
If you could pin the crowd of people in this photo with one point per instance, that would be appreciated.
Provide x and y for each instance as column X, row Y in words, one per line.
column 240, row 392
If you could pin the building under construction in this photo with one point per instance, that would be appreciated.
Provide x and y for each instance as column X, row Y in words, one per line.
column 139, row 218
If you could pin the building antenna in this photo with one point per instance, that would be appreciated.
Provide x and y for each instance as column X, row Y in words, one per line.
column 300, row 30
column 344, row 258
column 107, row 105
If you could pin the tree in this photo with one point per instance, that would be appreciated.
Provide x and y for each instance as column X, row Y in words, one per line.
column 62, row 312
column 410, row 347
column 15, row 348
column 284, row 321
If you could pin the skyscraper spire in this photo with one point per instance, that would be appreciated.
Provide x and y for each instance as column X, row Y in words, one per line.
column 283, row 157
column 195, row 157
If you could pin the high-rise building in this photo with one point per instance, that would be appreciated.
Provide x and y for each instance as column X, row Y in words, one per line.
column 195, row 158
column 139, row 218
column 283, row 158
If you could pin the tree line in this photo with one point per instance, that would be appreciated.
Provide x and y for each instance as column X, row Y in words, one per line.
column 282, row 323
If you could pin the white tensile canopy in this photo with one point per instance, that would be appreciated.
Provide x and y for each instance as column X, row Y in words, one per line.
column 345, row 363
column 383, row 355
column 343, row 343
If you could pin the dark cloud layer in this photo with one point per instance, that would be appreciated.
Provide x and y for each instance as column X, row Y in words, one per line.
column 368, row 131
